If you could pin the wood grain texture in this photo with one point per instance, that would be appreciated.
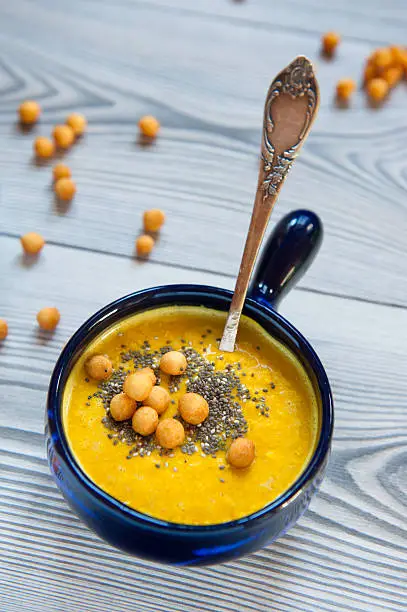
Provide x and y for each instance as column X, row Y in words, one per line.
column 116, row 61
column 347, row 553
column 203, row 68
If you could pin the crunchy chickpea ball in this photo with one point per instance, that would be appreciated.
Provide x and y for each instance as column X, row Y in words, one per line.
column 138, row 386
column 150, row 372
column 158, row 399
column 377, row 89
column 382, row 58
column 145, row 421
column 144, row 245
column 393, row 75
column 330, row 41
column 44, row 147
column 241, row 453
column 65, row 189
column 122, row 407
column 170, row 433
column 48, row 318
column 193, row 408
column 149, row 126
column 174, row 363
column 3, row 329
column 77, row 122
column 345, row 88
column 99, row 367
column 32, row 243
column 63, row 136
column 29, row 112
column 61, row 171
column 153, row 219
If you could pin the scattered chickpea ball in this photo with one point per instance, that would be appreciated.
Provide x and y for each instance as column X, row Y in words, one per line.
column 150, row 372
column 345, row 88
column 64, row 136
column 29, row 112
column 65, row 189
column 393, row 75
column 153, row 219
column 138, row 386
column 377, row 89
column 44, row 147
column 241, row 453
column 3, row 329
column 61, row 171
column 149, row 126
column 32, row 243
column 145, row 421
column 170, row 433
column 99, row 367
column 383, row 58
column 77, row 122
column 193, row 408
column 330, row 41
column 122, row 407
column 174, row 363
column 48, row 318
column 144, row 245
column 158, row 399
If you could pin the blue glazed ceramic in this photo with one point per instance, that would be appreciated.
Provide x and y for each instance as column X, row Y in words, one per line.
column 287, row 254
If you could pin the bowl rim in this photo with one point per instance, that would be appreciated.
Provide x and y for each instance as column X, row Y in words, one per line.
column 91, row 326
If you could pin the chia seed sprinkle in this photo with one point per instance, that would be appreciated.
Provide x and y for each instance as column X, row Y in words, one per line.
column 222, row 389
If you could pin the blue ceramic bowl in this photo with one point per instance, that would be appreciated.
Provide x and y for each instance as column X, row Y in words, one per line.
column 288, row 253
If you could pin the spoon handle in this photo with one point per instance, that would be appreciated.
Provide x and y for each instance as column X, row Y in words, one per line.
column 290, row 108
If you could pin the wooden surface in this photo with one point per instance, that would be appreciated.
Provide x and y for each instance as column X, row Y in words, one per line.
column 203, row 68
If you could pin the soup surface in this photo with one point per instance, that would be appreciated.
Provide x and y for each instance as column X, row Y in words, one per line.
column 260, row 391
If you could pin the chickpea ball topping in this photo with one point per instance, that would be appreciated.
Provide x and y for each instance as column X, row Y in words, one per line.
column 149, row 126
column 77, row 122
column 345, row 88
column 48, row 318
column 241, row 453
column 170, row 433
column 145, row 421
column 158, row 399
column 29, row 112
column 174, row 363
column 65, row 189
column 330, row 41
column 150, row 372
column 153, row 219
column 122, row 407
column 377, row 89
column 99, row 367
column 3, row 329
column 138, row 386
column 63, row 136
column 193, row 408
column 32, row 243
column 61, row 171
column 144, row 245
column 44, row 147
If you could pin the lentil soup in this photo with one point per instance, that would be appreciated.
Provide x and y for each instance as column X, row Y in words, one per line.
column 260, row 392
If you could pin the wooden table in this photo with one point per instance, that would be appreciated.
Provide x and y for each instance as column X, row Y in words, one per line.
column 203, row 68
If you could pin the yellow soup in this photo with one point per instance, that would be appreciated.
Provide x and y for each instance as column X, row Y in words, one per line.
column 260, row 391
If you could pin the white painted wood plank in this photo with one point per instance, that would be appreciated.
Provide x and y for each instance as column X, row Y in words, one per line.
column 209, row 98
column 347, row 553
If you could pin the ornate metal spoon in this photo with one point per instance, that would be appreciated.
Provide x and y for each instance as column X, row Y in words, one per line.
column 291, row 106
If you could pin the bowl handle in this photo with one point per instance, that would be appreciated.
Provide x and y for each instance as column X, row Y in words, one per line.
column 286, row 256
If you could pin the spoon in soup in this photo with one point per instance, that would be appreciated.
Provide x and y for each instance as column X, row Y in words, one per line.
column 290, row 109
